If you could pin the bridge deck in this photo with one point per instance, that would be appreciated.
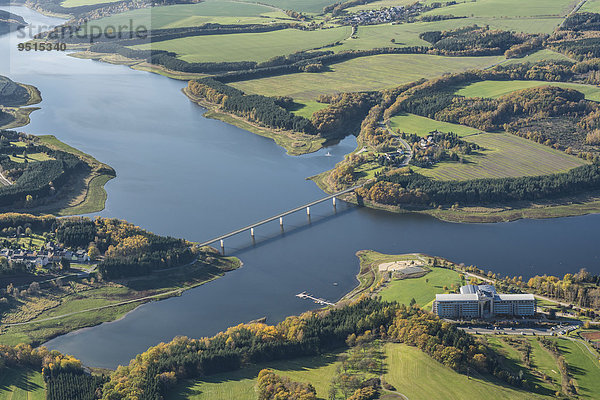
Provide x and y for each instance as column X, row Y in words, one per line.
column 276, row 217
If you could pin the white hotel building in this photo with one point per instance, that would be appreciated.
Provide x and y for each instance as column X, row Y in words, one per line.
column 482, row 301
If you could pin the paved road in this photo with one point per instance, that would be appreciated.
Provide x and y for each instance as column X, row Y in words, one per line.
column 409, row 153
column 4, row 181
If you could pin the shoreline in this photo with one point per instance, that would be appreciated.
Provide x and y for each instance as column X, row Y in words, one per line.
column 560, row 208
column 295, row 144
column 105, row 313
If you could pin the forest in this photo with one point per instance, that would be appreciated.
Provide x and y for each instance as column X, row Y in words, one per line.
column 407, row 187
column 152, row 373
column 472, row 41
column 128, row 250
column 12, row 94
column 33, row 180
column 256, row 108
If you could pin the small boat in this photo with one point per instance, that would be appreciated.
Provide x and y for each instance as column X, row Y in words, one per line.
column 328, row 154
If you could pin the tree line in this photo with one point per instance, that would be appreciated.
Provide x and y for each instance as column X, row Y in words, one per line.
column 407, row 187
column 256, row 108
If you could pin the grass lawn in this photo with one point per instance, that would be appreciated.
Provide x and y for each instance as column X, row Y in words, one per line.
column 495, row 89
column 248, row 46
column 239, row 384
column 184, row 15
column 31, row 157
column 21, row 384
column 544, row 362
column 307, row 108
column 583, row 366
column 411, row 123
column 504, row 155
column 365, row 73
column 423, row 289
column 513, row 361
column 419, row 377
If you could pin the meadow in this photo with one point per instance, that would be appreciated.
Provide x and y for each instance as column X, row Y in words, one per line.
column 419, row 377
column 21, row 384
column 239, row 384
column 365, row 73
column 305, row 6
column 409, row 370
column 507, row 8
column 185, row 15
column 504, row 155
column 77, row 3
column 422, row 289
column 411, row 123
column 591, row 6
column 540, row 55
column 248, row 46
column 495, row 89
column 583, row 366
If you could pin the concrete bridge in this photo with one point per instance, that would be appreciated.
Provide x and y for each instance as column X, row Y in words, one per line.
column 279, row 217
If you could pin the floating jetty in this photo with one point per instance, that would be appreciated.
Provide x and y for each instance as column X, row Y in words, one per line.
column 317, row 300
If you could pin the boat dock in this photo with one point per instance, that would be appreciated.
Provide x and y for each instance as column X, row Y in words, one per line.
column 317, row 300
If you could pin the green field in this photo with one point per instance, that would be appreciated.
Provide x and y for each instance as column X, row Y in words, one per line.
column 305, row 6
column 423, row 289
column 505, row 155
column 184, row 15
column 373, row 36
column 495, row 89
column 307, row 108
column 239, row 385
column 540, row 55
column 365, row 73
column 411, row 123
column 419, row 377
column 583, row 366
column 508, row 8
column 77, row 3
column 21, row 384
column 248, row 46
column 591, row 6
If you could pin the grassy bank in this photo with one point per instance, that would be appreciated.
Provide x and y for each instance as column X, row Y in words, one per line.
column 88, row 302
column 422, row 289
column 295, row 143
column 21, row 384
column 90, row 196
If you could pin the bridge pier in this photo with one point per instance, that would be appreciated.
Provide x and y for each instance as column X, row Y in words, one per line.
column 333, row 201
column 308, row 211
column 222, row 247
column 281, row 221
column 252, row 232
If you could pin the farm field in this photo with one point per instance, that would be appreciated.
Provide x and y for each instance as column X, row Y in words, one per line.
column 185, row 15
column 77, row 3
column 239, row 384
column 365, row 73
column 494, row 89
column 411, row 123
column 422, row 289
column 307, row 6
column 504, row 155
column 21, row 384
column 591, row 6
column 507, row 8
column 248, row 46
column 412, row 373
column 374, row 36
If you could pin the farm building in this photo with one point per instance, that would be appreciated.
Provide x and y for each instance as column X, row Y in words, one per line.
column 482, row 301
